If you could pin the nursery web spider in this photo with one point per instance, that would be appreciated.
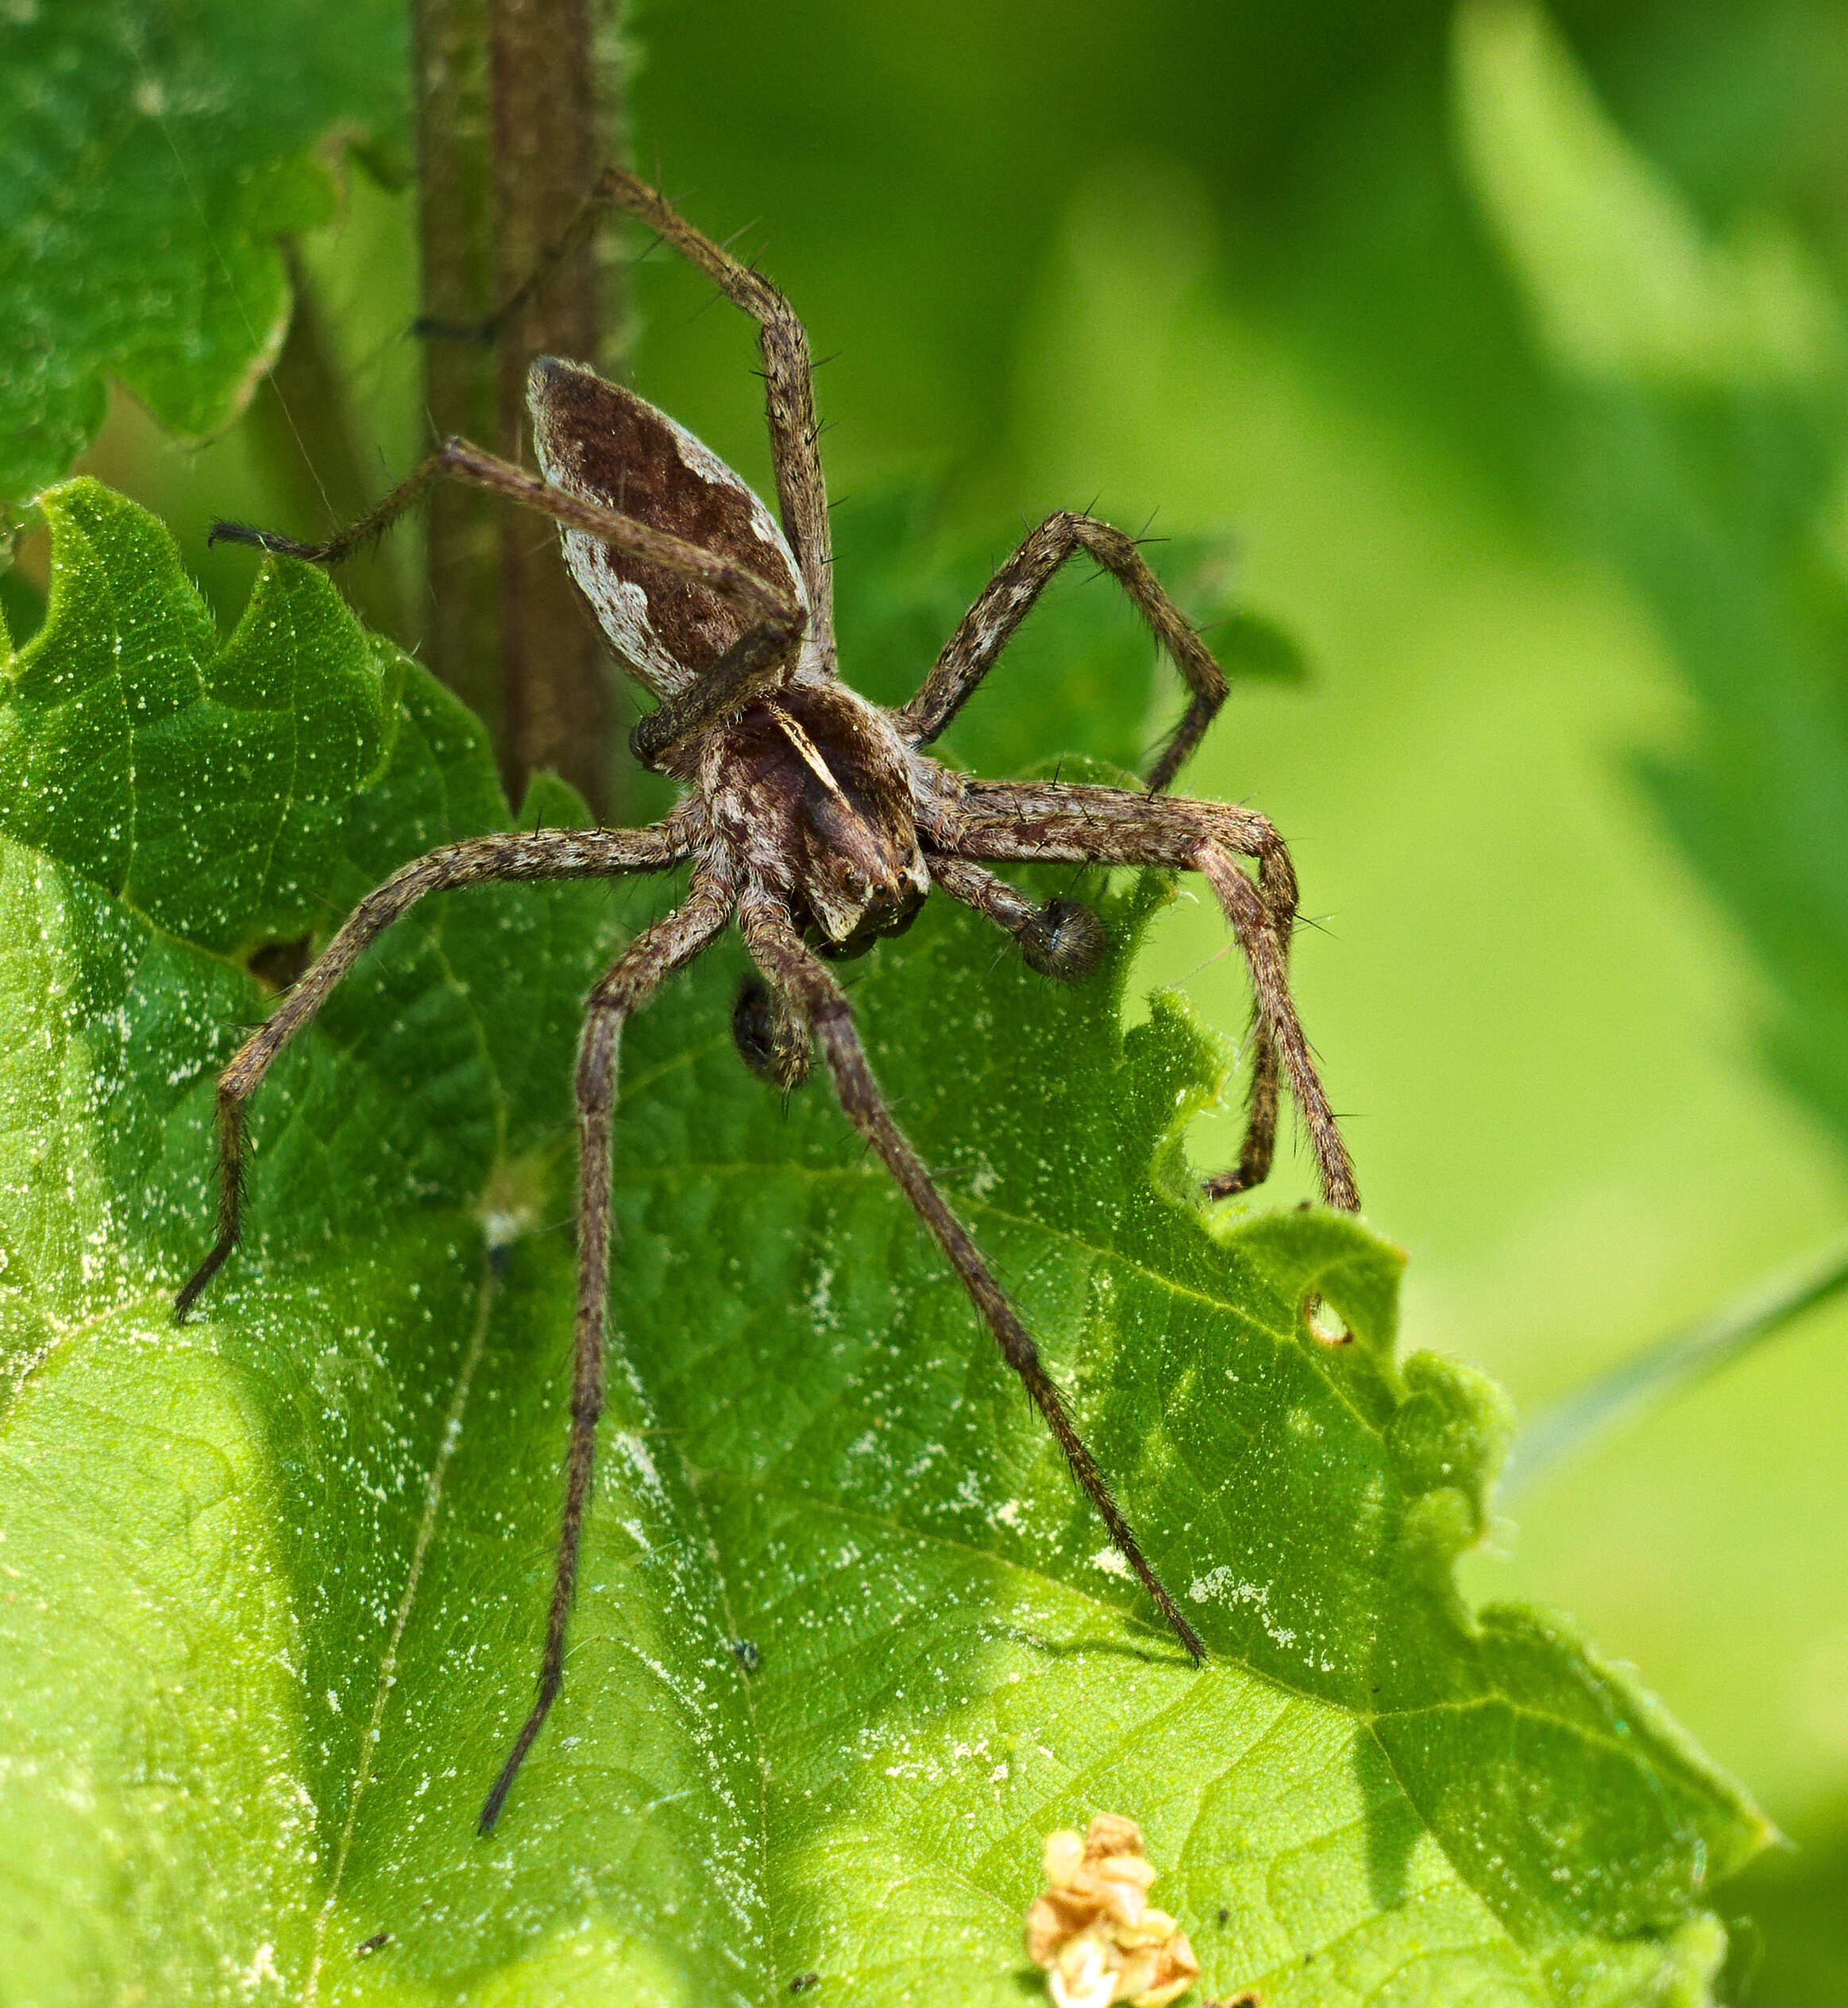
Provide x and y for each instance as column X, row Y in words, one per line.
column 810, row 816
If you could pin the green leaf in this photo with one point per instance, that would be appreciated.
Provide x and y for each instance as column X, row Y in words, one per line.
column 149, row 159
column 275, row 1582
column 1715, row 511
column 1705, row 386
column 1622, row 279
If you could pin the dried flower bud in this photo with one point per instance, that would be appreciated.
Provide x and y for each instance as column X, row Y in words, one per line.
column 1094, row 1931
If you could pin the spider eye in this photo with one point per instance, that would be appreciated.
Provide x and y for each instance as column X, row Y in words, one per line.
column 1064, row 940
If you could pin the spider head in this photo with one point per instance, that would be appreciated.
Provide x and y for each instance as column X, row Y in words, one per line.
column 813, row 790
column 864, row 880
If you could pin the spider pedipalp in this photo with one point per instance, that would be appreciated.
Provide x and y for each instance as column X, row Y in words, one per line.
column 771, row 1042
column 1065, row 940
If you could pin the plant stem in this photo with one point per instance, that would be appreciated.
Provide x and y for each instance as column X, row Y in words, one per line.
column 556, row 686
column 1669, row 1368
column 510, row 135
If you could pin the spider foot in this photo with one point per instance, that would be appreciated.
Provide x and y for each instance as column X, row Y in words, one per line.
column 270, row 540
column 195, row 1286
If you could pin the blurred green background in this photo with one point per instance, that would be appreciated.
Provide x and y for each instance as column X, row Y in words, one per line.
column 1514, row 366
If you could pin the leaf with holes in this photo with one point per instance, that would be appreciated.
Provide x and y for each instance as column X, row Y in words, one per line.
column 847, row 1644
column 149, row 159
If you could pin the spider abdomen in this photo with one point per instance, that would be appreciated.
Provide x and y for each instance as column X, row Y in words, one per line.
column 600, row 442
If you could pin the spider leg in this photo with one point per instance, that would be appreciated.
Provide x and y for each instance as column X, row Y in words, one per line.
column 756, row 664
column 1045, row 821
column 458, row 459
column 777, row 950
column 540, row 854
column 788, row 375
column 653, row 956
column 1005, row 601
column 1263, row 1099
column 1277, row 884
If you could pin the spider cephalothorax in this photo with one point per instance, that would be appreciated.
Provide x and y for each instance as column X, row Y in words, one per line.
column 811, row 792
column 812, row 818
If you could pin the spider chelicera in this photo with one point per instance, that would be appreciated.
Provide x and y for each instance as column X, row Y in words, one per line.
column 810, row 816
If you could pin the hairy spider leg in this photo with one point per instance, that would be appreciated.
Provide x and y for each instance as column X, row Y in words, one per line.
column 670, row 943
column 458, row 459
column 756, row 665
column 1064, row 939
column 1277, row 888
column 1008, row 597
column 788, row 375
column 1047, row 822
column 479, row 860
column 775, row 946
column 972, row 651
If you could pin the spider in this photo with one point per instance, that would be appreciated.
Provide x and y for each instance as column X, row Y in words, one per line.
column 811, row 817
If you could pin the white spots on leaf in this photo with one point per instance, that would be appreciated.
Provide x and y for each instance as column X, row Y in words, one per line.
column 1204, row 1588
column 500, row 1227
column 1111, row 1562
column 1221, row 1586
column 635, row 1453
column 261, row 1971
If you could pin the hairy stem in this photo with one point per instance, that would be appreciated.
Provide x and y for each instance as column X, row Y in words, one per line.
column 518, row 102
column 547, row 136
